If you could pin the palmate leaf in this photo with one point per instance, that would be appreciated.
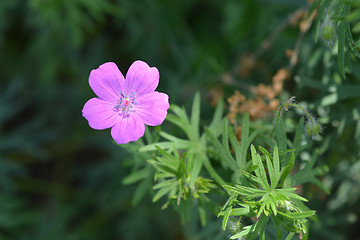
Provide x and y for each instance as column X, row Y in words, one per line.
column 308, row 174
column 223, row 151
column 264, row 199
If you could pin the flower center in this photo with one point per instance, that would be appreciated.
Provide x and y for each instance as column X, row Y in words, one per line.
column 125, row 104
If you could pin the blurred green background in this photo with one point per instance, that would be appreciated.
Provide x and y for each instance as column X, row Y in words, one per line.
column 60, row 179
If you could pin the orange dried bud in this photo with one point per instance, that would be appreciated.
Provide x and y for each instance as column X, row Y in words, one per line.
column 247, row 64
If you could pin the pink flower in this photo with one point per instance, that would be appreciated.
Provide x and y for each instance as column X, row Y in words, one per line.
column 125, row 104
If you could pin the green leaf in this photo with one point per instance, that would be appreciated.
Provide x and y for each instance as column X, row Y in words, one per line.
column 276, row 161
column 245, row 146
column 348, row 91
column 181, row 113
column 226, row 217
column 341, row 48
column 212, row 171
column 165, row 145
column 162, row 192
column 136, row 176
column 240, row 211
column 202, row 214
column 260, row 171
column 252, row 178
column 225, row 137
column 242, row 190
column 235, row 144
column 223, row 152
column 308, row 174
column 175, row 140
column 278, row 229
column 244, row 232
column 265, row 152
column 287, row 169
column 297, row 139
column 197, row 162
column 271, row 172
column 216, row 121
column 290, row 236
column 313, row 6
column 298, row 215
column 280, row 134
column 351, row 40
column 164, row 184
column 244, row 135
column 195, row 118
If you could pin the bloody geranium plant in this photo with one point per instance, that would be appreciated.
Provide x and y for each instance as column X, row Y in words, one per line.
column 125, row 104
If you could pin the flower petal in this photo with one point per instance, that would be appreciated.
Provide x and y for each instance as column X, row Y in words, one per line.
column 107, row 81
column 152, row 107
column 141, row 78
column 100, row 114
column 128, row 129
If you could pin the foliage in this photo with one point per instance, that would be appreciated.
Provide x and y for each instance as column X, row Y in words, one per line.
column 61, row 180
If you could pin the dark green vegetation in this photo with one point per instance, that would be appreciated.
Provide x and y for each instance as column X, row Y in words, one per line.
column 60, row 179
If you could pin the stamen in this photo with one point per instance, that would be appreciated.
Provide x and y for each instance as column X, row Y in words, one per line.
column 125, row 104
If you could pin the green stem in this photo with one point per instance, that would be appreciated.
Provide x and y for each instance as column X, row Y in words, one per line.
column 293, row 105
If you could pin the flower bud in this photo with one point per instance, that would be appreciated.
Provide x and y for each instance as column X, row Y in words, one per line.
column 312, row 128
column 328, row 33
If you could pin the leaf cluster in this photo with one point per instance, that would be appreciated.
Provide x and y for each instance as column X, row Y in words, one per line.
column 264, row 198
